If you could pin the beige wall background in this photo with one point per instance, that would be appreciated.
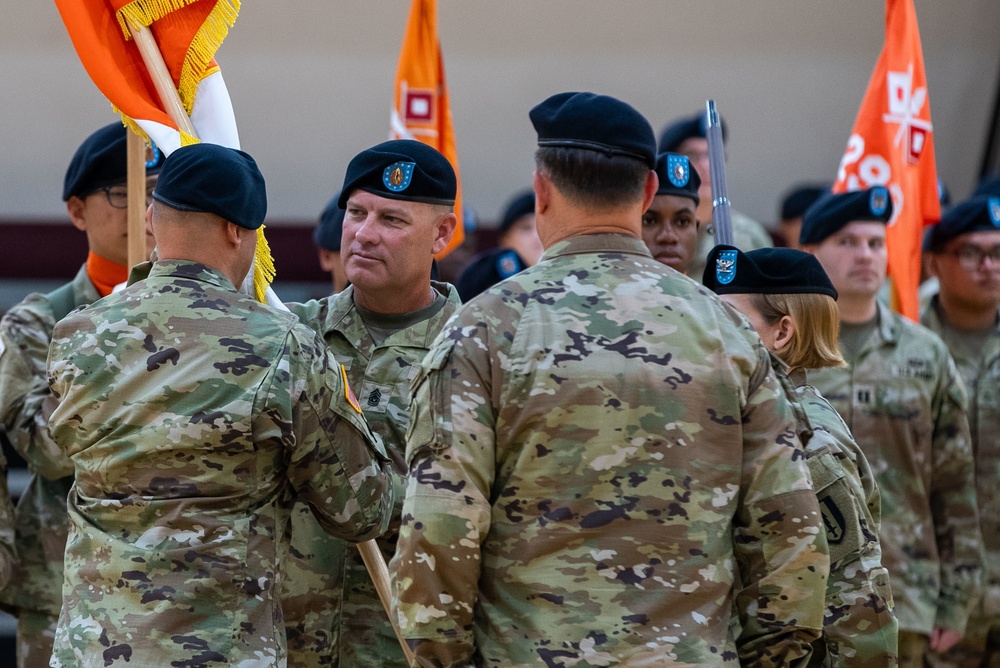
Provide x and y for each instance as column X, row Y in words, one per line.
column 311, row 82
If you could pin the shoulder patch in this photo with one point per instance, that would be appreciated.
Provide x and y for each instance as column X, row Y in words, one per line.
column 348, row 392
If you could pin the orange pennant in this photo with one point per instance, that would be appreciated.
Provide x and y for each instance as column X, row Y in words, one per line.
column 422, row 109
column 893, row 145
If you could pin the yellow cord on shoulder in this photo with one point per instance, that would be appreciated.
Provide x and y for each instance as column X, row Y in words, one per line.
column 263, row 267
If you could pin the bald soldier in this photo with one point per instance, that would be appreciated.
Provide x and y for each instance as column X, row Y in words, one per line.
column 399, row 198
column 598, row 444
column 904, row 401
column 963, row 251
column 194, row 416
column 96, row 196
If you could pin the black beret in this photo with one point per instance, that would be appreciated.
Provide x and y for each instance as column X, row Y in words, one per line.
column 831, row 212
column 677, row 177
column 209, row 178
column 486, row 270
column 519, row 206
column 799, row 199
column 774, row 271
column 685, row 128
column 976, row 214
column 401, row 169
column 596, row 123
column 990, row 185
column 101, row 160
column 330, row 227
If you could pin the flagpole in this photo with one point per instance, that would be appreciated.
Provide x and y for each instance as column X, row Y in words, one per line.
column 135, row 149
column 379, row 573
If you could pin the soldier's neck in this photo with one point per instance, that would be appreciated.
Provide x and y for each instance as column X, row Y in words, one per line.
column 394, row 301
column 856, row 310
column 961, row 315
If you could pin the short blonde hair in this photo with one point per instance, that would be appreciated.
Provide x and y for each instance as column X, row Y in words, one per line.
column 814, row 345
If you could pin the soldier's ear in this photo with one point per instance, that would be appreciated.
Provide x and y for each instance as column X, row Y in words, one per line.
column 543, row 191
column 445, row 229
column 75, row 210
column 783, row 332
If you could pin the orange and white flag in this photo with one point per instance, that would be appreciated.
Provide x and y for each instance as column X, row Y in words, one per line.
column 422, row 109
column 893, row 145
column 188, row 33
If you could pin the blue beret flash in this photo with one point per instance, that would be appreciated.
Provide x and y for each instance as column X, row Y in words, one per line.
column 397, row 176
column 725, row 267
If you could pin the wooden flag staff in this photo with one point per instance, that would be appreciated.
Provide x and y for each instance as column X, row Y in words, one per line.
column 164, row 84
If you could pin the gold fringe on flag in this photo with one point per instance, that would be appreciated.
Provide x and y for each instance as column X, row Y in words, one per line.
column 198, row 59
column 263, row 267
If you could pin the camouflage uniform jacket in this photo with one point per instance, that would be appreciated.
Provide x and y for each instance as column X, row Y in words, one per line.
column 859, row 628
column 41, row 520
column 332, row 612
column 982, row 380
column 597, row 445
column 905, row 405
column 193, row 414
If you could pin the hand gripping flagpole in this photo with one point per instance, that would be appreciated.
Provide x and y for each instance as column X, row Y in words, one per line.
column 153, row 60
column 722, row 221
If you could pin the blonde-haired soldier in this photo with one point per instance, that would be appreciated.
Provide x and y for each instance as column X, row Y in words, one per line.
column 789, row 300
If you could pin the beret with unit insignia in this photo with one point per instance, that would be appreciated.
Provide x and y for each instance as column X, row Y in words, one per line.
column 832, row 212
column 976, row 214
column 773, row 271
column 101, row 160
column 401, row 169
column 677, row 177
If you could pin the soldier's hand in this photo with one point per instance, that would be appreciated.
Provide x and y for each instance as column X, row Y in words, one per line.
column 944, row 639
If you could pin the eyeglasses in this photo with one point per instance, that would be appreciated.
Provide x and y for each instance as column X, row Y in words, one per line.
column 118, row 196
column 972, row 257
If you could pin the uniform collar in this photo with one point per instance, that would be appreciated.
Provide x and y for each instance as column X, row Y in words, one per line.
column 194, row 271
column 889, row 324
column 343, row 317
column 933, row 319
column 592, row 243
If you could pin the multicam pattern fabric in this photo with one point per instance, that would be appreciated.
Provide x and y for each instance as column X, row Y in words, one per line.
column 40, row 517
column 859, row 628
column 333, row 615
column 192, row 415
column 905, row 405
column 982, row 379
column 597, row 447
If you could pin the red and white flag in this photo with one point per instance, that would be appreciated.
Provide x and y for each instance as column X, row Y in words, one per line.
column 893, row 145
column 422, row 109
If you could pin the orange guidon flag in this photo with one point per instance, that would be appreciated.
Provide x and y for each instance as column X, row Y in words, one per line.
column 188, row 32
column 893, row 145
column 422, row 110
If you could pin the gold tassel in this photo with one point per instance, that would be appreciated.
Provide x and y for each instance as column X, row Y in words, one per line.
column 198, row 59
column 263, row 267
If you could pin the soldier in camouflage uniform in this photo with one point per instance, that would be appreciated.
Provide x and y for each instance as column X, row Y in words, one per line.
column 193, row 416
column 379, row 328
column 598, row 446
column 96, row 198
column 791, row 303
column 964, row 253
column 904, row 401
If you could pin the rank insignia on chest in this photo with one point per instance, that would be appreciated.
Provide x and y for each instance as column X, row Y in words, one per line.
column 375, row 397
column 725, row 267
column 397, row 176
column 995, row 211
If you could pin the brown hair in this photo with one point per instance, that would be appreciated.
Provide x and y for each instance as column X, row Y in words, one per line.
column 814, row 345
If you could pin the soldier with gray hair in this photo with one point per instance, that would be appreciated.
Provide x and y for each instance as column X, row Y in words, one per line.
column 598, row 446
column 194, row 416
